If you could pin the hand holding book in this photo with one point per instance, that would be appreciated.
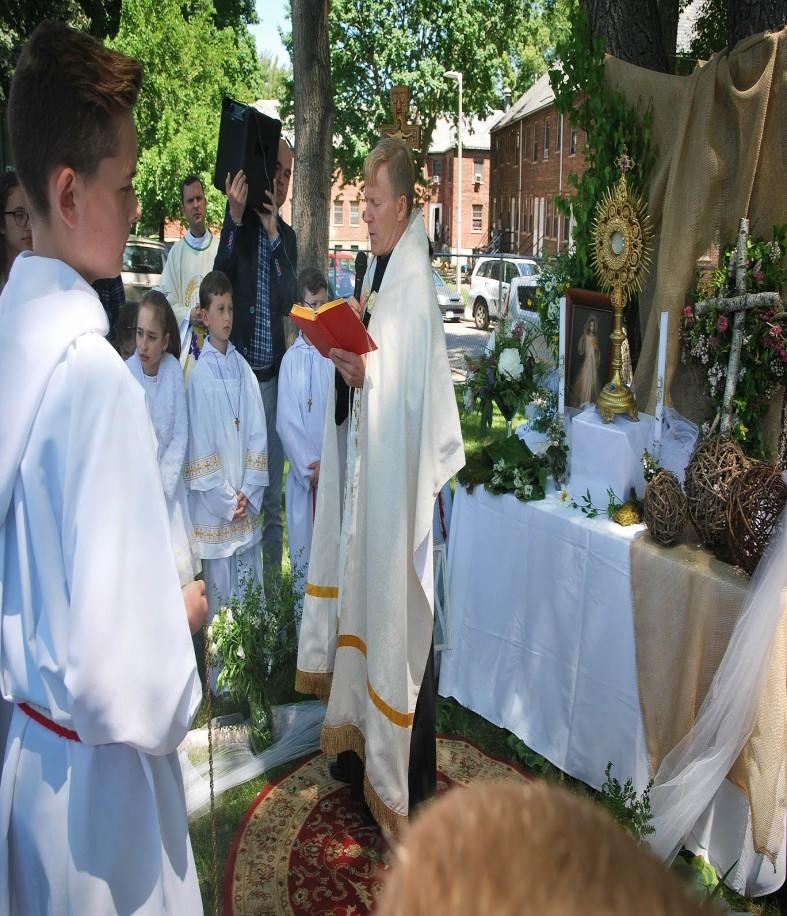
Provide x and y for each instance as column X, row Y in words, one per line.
column 333, row 326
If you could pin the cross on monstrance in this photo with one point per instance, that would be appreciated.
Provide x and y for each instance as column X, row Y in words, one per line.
column 401, row 129
column 737, row 306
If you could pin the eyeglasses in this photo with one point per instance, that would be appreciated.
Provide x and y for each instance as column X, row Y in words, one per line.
column 21, row 217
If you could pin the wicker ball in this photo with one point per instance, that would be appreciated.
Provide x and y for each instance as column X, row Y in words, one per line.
column 665, row 509
column 757, row 498
column 713, row 467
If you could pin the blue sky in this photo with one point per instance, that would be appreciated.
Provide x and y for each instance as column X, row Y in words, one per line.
column 272, row 15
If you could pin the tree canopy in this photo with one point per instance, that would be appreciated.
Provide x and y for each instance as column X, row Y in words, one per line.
column 376, row 44
column 189, row 64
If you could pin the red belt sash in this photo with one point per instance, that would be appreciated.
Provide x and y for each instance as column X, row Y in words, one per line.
column 36, row 716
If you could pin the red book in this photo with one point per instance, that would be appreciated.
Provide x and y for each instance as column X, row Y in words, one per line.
column 334, row 324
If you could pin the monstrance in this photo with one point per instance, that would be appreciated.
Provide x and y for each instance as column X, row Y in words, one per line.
column 621, row 257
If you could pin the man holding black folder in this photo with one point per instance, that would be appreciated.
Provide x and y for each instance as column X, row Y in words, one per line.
column 382, row 466
column 258, row 252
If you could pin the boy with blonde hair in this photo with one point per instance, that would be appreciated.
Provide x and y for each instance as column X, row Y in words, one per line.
column 95, row 649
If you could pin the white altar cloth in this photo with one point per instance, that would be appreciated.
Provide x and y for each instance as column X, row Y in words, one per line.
column 543, row 645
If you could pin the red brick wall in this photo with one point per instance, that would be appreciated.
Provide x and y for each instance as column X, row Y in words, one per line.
column 520, row 207
column 474, row 194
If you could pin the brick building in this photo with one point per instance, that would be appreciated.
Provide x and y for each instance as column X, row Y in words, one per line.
column 533, row 151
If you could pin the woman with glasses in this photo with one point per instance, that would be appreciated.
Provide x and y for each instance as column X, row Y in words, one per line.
column 15, row 232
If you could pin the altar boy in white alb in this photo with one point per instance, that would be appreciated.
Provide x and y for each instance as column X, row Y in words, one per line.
column 305, row 378
column 227, row 467
column 95, row 649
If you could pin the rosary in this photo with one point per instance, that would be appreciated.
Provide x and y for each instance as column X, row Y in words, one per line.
column 235, row 413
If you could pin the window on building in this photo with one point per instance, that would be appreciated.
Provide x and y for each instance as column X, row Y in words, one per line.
column 566, row 228
column 478, row 171
column 548, row 209
column 355, row 211
column 535, row 144
column 437, row 170
column 513, row 214
column 559, row 134
column 572, row 142
column 338, row 212
column 556, row 222
column 478, row 217
column 547, row 137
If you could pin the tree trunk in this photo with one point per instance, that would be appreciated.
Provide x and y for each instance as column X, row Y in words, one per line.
column 668, row 16
column 632, row 30
column 313, row 98
column 747, row 17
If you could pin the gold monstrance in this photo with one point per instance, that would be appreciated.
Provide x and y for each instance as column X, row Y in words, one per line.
column 621, row 257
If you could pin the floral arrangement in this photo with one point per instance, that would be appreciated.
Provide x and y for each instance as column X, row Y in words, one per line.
column 249, row 637
column 650, row 466
column 706, row 340
column 506, row 373
column 553, row 281
column 515, row 469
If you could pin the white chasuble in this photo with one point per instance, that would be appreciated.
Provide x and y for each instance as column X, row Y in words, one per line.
column 404, row 444
column 187, row 263
column 305, row 378
column 227, row 452
column 166, row 400
column 93, row 630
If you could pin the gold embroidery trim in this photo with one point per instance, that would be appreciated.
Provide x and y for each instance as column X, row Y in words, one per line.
column 201, row 467
column 322, row 591
column 219, row 534
column 402, row 719
column 257, row 461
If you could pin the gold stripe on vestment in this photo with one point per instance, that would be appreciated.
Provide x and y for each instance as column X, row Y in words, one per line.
column 402, row 719
column 322, row 591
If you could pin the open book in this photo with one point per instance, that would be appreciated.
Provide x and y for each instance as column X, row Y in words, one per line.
column 334, row 324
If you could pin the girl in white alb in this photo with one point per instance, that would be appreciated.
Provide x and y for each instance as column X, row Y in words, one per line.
column 156, row 367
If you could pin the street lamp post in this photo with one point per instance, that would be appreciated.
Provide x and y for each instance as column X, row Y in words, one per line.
column 457, row 75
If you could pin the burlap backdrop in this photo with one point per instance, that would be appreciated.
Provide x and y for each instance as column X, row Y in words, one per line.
column 721, row 138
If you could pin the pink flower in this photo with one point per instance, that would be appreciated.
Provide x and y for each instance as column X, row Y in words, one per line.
column 776, row 330
column 758, row 275
column 517, row 330
column 688, row 313
column 722, row 324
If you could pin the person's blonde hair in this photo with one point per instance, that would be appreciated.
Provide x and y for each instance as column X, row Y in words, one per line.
column 401, row 172
column 513, row 849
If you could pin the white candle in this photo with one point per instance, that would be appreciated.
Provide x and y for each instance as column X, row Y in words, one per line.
column 561, row 360
column 661, row 371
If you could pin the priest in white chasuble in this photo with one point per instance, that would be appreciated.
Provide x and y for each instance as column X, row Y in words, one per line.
column 371, row 561
column 190, row 259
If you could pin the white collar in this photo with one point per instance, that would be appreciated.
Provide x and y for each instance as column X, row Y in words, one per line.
column 200, row 243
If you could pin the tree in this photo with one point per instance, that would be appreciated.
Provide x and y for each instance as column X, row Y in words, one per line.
column 274, row 76
column 376, row 44
column 644, row 32
column 313, row 128
column 19, row 17
column 189, row 64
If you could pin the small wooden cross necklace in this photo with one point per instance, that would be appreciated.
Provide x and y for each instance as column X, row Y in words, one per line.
column 235, row 413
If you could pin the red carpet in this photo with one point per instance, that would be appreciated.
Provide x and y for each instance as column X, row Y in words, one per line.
column 303, row 848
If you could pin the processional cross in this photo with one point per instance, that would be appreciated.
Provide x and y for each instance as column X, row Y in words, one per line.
column 401, row 129
column 737, row 306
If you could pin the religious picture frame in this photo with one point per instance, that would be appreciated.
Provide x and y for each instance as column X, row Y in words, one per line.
column 589, row 323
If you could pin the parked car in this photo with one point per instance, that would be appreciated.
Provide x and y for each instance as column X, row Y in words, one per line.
column 143, row 264
column 450, row 303
column 520, row 301
column 341, row 273
column 490, row 281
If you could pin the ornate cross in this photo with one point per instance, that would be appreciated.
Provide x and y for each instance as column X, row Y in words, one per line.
column 737, row 306
column 401, row 128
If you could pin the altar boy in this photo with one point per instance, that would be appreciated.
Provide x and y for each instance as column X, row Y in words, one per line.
column 95, row 649
column 304, row 380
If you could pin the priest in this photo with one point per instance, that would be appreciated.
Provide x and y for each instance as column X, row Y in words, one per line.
column 392, row 439
column 190, row 260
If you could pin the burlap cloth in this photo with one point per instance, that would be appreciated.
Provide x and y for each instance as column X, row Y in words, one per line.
column 721, row 138
column 685, row 605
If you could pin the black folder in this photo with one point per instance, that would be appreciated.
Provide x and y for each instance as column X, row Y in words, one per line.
column 248, row 140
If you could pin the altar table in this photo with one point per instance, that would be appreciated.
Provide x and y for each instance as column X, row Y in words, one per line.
column 542, row 644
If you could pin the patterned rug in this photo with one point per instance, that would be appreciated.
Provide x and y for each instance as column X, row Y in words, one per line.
column 303, row 847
